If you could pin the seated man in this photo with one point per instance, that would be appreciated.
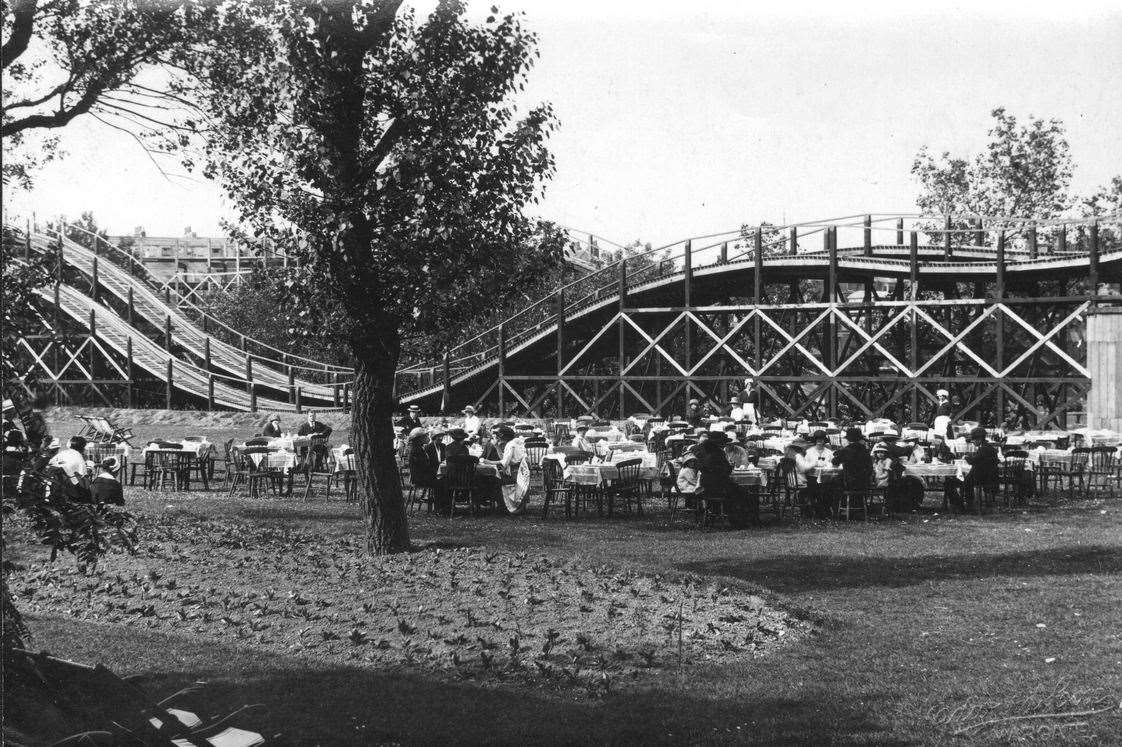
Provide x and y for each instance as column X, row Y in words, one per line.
column 314, row 427
column 855, row 461
column 984, row 468
column 72, row 460
column 411, row 421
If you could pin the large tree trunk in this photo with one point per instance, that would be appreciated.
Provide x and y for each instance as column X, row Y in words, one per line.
column 379, row 484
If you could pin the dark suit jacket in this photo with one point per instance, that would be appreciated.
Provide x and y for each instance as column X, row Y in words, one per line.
column 319, row 429
column 409, row 423
column 983, row 463
column 422, row 466
column 856, row 464
column 715, row 469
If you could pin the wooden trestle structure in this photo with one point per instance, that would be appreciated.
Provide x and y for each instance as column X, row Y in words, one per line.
column 991, row 309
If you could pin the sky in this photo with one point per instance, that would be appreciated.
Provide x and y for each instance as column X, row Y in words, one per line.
column 683, row 119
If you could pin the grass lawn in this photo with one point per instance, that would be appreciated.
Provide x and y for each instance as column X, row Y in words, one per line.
column 902, row 632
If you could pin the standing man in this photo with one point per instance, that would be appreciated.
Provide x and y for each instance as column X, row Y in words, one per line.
column 411, row 421
column 750, row 401
column 314, row 427
column 984, row 468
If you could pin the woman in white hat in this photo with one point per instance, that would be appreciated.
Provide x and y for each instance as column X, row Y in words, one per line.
column 471, row 421
column 106, row 488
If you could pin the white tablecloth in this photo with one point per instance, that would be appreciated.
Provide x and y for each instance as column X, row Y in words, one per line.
column 602, row 474
column 195, row 448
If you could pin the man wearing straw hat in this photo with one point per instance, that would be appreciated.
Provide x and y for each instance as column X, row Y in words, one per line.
column 411, row 421
column 471, row 421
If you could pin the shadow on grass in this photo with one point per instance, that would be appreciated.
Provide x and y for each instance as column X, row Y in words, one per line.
column 798, row 573
column 313, row 702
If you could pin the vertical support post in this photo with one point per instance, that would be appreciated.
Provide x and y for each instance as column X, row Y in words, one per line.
column 946, row 239
column 868, row 236
column 830, row 246
column 249, row 383
column 559, row 310
column 831, row 297
column 999, row 333
column 206, row 353
column 27, row 242
column 167, row 332
column 502, row 370
column 209, row 391
column 93, row 279
column 724, row 252
column 447, row 402
column 205, row 323
column 132, row 308
column 1093, row 261
column 128, row 373
column 979, row 233
column 291, row 384
column 299, row 399
column 1061, row 238
column 622, row 360
column 93, row 347
column 758, row 291
column 793, row 241
column 167, row 390
column 237, row 257
column 899, row 232
column 688, row 303
column 913, row 295
column 1032, row 245
column 346, row 396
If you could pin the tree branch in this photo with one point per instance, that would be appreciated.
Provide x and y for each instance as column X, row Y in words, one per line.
column 23, row 23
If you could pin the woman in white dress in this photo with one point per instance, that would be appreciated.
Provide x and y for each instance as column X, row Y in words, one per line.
column 514, row 470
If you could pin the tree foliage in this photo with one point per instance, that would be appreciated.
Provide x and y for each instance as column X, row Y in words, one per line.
column 385, row 152
column 1025, row 170
column 66, row 58
column 21, row 278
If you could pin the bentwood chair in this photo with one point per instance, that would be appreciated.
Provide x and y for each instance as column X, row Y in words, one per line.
column 1102, row 470
column 627, row 486
column 460, row 486
column 554, row 488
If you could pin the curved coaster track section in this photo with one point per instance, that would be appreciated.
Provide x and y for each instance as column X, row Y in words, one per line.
column 109, row 336
column 863, row 316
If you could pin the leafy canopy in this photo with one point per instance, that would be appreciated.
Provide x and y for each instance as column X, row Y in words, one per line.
column 385, row 154
column 1025, row 170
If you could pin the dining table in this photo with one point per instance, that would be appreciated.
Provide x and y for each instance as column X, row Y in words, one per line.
column 200, row 450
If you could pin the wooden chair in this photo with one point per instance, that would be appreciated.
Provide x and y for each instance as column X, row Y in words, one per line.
column 319, row 468
column 627, row 486
column 1013, row 474
column 554, row 487
column 1102, row 470
column 143, row 465
column 169, row 467
column 459, row 483
column 786, row 493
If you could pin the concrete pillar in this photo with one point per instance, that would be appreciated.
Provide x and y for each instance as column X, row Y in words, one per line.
column 1104, row 363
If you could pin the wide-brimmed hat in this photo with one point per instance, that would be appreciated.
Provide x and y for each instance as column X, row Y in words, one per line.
column 854, row 434
column 458, row 434
column 819, row 434
column 414, row 408
column 978, row 433
column 469, row 409
column 880, row 448
column 8, row 405
column 695, row 402
column 582, row 427
column 890, row 433
column 719, row 438
column 504, row 432
column 110, row 464
column 274, row 416
column 417, row 433
column 943, row 393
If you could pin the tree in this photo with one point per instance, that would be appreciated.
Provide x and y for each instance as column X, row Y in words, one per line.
column 1024, row 171
column 385, row 154
column 66, row 58
column 20, row 281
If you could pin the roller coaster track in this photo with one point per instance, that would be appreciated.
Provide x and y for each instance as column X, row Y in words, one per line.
column 200, row 348
column 1020, row 252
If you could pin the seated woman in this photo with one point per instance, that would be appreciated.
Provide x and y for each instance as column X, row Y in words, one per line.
column 106, row 488
column 740, row 507
column 514, row 469
column 273, row 427
column 422, row 459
